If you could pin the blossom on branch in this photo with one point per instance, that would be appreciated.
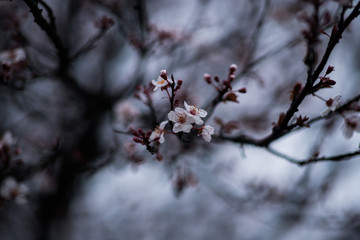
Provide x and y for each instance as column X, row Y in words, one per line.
column 332, row 104
column 162, row 81
column 7, row 139
column 12, row 190
column 158, row 133
column 182, row 119
column 196, row 113
column 14, row 56
column 351, row 125
column 206, row 132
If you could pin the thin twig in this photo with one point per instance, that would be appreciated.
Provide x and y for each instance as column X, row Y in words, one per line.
column 333, row 158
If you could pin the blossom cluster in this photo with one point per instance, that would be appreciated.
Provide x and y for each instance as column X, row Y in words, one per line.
column 352, row 122
column 11, row 189
column 181, row 120
column 184, row 120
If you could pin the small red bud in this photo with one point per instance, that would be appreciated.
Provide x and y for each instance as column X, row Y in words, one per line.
column 331, row 82
column 176, row 102
column 231, row 77
column 233, row 68
column 135, row 133
column 148, row 133
column 217, row 79
column 242, row 90
column 227, row 83
column 281, row 118
column 179, row 82
column 137, row 140
column 231, row 97
column 207, row 78
column 163, row 74
column 329, row 70
column 141, row 132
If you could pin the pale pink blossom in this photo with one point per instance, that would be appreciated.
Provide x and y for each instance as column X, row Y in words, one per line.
column 12, row 56
column 183, row 121
column 196, row 113
column 126, row 112
column 332, row 104
column 206, row 132
column 163, row 72
column 12, row 190
column 7, row 139
column 351, row 125
column 162, row 81
column 233, row 67
column 159, row 132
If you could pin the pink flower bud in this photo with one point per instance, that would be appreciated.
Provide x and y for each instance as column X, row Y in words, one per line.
column 163, row 74
column 141, row 132
column 148, row 133
column 135, row 133
column 207, row 78
column 233, row 68
column 137, row 140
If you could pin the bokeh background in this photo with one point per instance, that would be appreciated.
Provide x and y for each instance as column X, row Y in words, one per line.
column 88, row 181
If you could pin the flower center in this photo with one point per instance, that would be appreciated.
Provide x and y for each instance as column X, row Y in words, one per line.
column 162, row 81
column 194, row 110
column 181, row 118
column 329, row 102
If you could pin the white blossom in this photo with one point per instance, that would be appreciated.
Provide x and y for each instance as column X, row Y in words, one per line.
column 7, row 139
column 12, row 190
column 161, row 81
column 126, row 112
column 196, row 113
column 332, row 104
column 351, row 125
column 159, row 132
column 163, row 72
column 206, row 132
column 183, row 122
column 12, row 56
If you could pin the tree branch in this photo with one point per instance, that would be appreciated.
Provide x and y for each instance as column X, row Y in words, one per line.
column 333, row 158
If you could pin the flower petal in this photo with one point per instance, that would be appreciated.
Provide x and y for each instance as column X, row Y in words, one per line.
column 177, row 128
column 186, row 127
column 187, row 107
column 163, row 124
column 172, row 116
column 347, row 131
column 325, row 112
